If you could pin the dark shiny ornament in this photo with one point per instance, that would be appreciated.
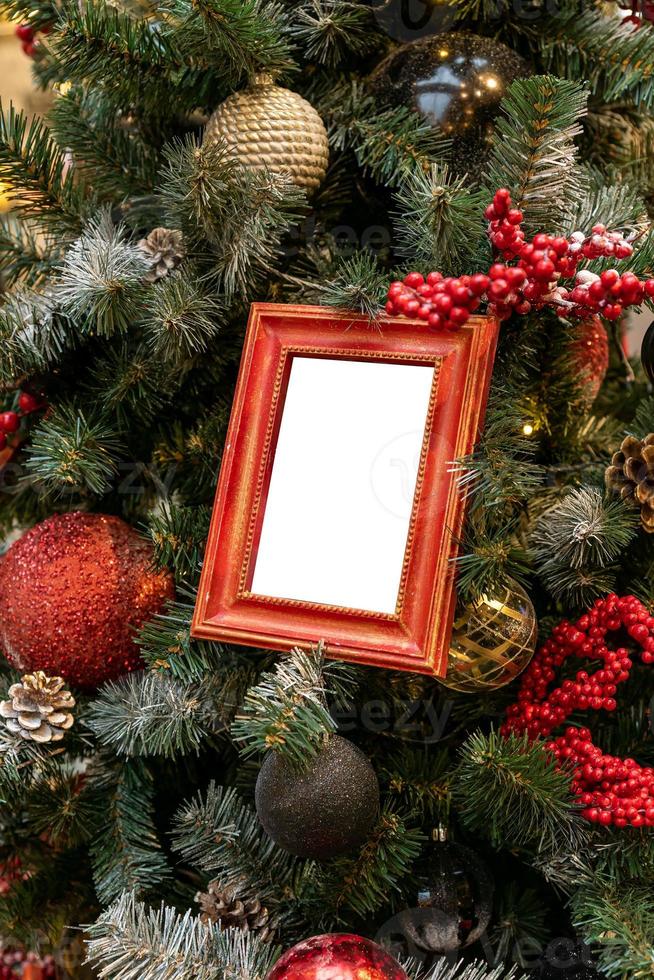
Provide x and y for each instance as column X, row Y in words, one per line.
column 647, row 352
column 337, row 956
column 322, row 812
column 456, row 82
column 454, row 900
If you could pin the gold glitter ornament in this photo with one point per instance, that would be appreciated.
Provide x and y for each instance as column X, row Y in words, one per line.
column 493, row 640
column 269, row 127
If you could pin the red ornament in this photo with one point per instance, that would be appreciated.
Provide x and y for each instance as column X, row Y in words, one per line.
column 590, row 355
column 74, row 590
column 9, row 422
column 337, row 957
column 611, row 790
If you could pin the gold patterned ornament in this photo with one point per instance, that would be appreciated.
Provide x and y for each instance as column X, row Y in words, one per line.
column 269, row 127
column 493, row 640
column 39, row 708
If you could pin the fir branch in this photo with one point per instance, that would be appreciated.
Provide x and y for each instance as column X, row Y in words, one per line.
column 219, row 834
column 110, row 153
column 520, row 922
column 419, row 779
column 126, row 853
column 534, row 152
column 329, row 31
column 390, row 144
column 166, row 644
column 43, row 187
column 438, row 222
column 73, row 452
column 621, row 922
column 618, row 205
column 363, row 884
column 32, row 334
column 131, row 942
column 178, row 535
column 512, row 791
column 617, row 61
column 491, row 554
column 443, row 969
column 192, row 455
column 153, row 714
column 235, row 38
column 287, row 709
column 359, row 284
column 112, row 51
column 578, row 542
column 25, row 255
column 130, row 385
column 38, row 13
column 239, row 215
column 100, row 286
column 182, row 318
column 63, row 806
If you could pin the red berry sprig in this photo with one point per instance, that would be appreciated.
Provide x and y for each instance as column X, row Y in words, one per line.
column 533, row 282
column 611, row 790
column 10, row 421
column 27, row 35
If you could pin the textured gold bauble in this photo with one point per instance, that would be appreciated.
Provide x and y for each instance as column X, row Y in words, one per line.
column 267, row 126
column 492, row 641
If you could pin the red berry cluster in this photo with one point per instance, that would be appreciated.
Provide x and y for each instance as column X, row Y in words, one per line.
column 444, row 302
column 28, row 36
column 10, row 421
column 611, row 790
column 608, row 293
column 533, row 282
column 15, row 963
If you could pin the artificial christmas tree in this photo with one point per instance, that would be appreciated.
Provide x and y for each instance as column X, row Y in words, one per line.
column 201, row 157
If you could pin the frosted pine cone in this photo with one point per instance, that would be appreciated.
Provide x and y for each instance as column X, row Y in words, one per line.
column 224, row 905
column 164, row 249
column 39, row 708
column 631, row 474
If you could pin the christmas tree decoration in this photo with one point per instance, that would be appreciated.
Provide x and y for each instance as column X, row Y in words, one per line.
column 326, row 810
column 269, row 127
column 647, row 352
column 493, row 640
column 225, row 905
column 536, row 282
column 590, row 357
column 456, row 81
column 164, row 249
column 611, row 790
column 631, row 475
column 17, row 963
column 38, row 708
column 454, row 899
column 337, row 957
column 75, row 589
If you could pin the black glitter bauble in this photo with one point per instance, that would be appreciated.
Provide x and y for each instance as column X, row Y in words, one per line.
column 567, row 959
column 456, row 82
column 647, row 352
column 453, row 903
column 324, row 811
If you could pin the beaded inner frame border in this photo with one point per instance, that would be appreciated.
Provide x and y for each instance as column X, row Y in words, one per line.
column 416, row 636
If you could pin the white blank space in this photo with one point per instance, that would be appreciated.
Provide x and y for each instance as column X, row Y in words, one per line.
column 343, row 480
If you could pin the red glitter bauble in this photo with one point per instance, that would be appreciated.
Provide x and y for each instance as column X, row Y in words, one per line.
column 590, row 354
column 337, row 957
column 74, row 589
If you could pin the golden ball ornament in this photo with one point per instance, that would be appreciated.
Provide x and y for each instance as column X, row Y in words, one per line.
column 269, row 127
column 75, row 589
column 493, row 640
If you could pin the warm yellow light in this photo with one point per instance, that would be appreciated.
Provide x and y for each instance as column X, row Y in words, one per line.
column 444, row 53
column 491, row 82
column 5, row 199
column 527, row 429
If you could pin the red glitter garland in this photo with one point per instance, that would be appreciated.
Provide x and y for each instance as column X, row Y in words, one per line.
column 611, row 790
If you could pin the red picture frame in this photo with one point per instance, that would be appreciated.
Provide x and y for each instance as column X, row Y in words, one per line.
column 416, row 636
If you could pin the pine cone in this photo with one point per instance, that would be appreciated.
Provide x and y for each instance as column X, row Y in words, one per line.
column 225, row 906
column 39, row 708
column 164, row 248
column 631, row 474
